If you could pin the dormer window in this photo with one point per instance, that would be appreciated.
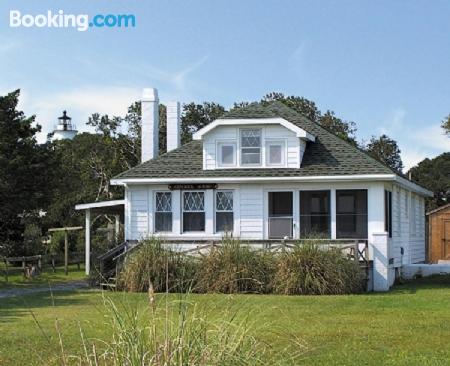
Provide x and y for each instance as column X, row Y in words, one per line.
column 275, row 153
column 250, row 146
column 226, row 152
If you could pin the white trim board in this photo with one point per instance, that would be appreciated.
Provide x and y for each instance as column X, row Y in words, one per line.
column 86, row 206
column 327, row 178
column 301, row 133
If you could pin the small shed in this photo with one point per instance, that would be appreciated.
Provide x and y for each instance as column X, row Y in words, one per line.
column 439, row 234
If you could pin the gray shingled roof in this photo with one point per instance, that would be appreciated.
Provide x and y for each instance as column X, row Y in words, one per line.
column 328, row 155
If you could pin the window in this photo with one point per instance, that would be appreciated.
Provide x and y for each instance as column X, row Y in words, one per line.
column 163, row 212
column 275, row 152
column 280, row 214
column 351, row 214
column 388, row 212
column 193, row 211
column 226, row 154
column 251, row 147
column 315, row 213
column 224, row 211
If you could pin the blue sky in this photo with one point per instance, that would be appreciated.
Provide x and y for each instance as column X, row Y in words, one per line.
column 384, row 64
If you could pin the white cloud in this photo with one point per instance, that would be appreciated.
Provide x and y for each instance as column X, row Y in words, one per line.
column 298, row 59
column 7, row 45
column 415, row 144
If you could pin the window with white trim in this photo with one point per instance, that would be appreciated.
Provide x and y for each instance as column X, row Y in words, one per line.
column 250, row 146
column 163, row 212
column 226, row 154
column 193, row 211
column 275, row 153
column 224, row 211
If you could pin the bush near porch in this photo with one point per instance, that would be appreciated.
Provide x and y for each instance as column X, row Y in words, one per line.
column 235, row 268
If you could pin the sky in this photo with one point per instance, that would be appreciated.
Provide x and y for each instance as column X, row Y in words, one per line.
column 382, row 64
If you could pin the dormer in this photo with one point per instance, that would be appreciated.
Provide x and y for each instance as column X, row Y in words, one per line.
column 249, row 143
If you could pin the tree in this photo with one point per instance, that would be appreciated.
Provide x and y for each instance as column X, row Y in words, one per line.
column 301, row 105
column 385, row 150
column 446, row 125
column 197, row 116
column 434, row 174
column 345, row 130
column 25, row 169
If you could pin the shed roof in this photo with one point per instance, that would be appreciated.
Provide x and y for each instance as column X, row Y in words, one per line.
column 447, row 206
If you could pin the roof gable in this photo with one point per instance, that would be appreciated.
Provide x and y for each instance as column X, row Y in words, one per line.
column 300, row 132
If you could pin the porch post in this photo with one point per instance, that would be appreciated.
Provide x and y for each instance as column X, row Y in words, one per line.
column 333, row 212
column 87, row 237
column 117, row 226
column 381, row 272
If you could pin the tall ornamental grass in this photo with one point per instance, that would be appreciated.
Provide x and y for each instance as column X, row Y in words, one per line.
column 167, row 269
column 179, row 333
column 232, row 268
column 311, row 269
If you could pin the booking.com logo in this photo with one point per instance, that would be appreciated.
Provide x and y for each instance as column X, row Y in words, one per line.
column 81, row 22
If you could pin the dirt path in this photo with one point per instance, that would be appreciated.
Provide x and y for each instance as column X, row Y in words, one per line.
column 69, row 286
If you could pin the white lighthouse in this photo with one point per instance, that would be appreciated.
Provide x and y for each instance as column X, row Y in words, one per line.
column 65, row 129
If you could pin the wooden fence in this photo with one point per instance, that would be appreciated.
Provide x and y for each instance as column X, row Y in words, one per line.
column 33, row 265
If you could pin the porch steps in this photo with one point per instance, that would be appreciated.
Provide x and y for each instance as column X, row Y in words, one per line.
column 110, row 284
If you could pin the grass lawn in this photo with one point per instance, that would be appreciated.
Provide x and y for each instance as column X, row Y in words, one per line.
column 17, row 280
column 408, row 326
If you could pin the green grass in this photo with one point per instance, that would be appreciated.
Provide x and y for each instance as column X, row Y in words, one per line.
column 408, row 326
column 17, row 280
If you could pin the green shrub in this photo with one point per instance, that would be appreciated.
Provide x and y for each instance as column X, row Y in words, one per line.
column 165, row 268
column 232, row 267
column 316, row 270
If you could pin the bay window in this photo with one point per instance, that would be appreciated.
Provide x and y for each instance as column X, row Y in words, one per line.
column 351, row 214
column 163, row 212
column 250, row 146
column 193, row 211
column 224, row 211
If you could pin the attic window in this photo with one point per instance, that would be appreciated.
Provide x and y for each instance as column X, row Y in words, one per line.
column 275, row 151
column 227, row 153
column 250, row 146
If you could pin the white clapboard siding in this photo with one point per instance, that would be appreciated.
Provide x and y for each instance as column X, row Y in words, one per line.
column 417, row 240
column 408, row 223
column 139, row 212
column 251, row 212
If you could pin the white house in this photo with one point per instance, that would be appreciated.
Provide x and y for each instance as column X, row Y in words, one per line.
column 266, row 172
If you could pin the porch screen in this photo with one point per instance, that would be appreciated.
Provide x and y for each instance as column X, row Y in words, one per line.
column 224, row 211
column 315, row 214
column 193, row 211
column 280, row 214
column 163, row 211
column 351, row 214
